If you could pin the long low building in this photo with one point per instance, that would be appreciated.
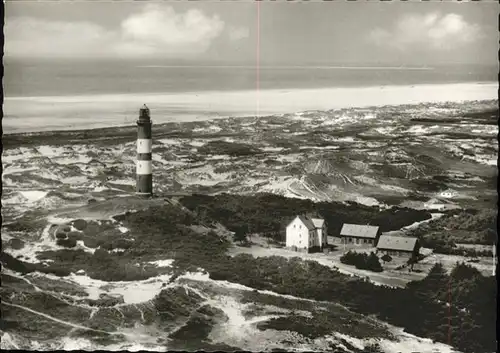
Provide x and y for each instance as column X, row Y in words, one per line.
column 359, row 234
column 398, row 245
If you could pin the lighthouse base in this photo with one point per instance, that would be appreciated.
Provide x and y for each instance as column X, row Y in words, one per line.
column 144, row 184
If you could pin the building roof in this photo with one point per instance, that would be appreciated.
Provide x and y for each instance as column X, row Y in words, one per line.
column 307, row 222
column 310, row 223
column 388, row 242
column 318, row 222
column 356, row 230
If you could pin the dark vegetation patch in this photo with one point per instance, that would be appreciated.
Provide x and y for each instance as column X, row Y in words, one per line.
column 467, row 226
column 445, row 248
column 25, row 224
column 16, row 243
column 25, row 267
column 323, row 317
column 165, row 231
column 427, row 316
column 463, row 135
column 93, row 234
column 307, row 327
column 391, row 170
column 80, row 224
column 67, row 243
column 362, row 261
column 272, row 162
column 50, row 305
column 175, row 306
column 13, row 282
column 229, row 148
column 194, row 333
column 32, row 326
column 393, row 200
column 267, row 213
column 59, row 287
column 107, row 319
column 428, row 185
column 100, row 265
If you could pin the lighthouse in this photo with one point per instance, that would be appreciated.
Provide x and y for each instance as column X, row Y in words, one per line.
column 144, row 145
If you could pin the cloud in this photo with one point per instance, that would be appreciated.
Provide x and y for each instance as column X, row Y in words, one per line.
column 433, row 30
column 160, row 28
column 156, row 31
column 31, row 37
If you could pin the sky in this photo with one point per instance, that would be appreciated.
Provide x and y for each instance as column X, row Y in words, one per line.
column 246, row 32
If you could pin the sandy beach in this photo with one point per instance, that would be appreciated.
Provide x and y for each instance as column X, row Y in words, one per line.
column 30, row 114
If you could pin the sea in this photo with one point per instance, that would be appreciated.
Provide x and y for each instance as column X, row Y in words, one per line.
column 56, row 78
column 78, row 94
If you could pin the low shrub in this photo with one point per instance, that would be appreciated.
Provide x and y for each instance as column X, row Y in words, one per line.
column 80, row 224
column 68, row 243
column 468, row 252
column 15, row 243
column 75, row 235
column 91, row 242
column 362, row 261
column 305, row 326
column 61, row 235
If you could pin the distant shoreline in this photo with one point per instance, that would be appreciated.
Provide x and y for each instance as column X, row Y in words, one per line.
column 79, row 97
column 85, row 112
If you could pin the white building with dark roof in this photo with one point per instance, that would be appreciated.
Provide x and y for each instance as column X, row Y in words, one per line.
column 306, row 234
column 398, row 245
column 359, row 234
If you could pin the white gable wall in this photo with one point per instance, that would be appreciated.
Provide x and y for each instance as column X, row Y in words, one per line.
column 297, row 234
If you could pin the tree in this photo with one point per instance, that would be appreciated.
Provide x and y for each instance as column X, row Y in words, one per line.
column 436, row 284
column 240, row 236
column 463, row 271
column 373, row 264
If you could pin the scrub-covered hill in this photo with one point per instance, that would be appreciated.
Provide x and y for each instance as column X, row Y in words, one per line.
column 161, row 278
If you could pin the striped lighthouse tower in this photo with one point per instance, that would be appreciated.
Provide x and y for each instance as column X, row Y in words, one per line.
column 144, row 145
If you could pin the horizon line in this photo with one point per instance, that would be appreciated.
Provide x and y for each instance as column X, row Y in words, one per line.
column 293, row 67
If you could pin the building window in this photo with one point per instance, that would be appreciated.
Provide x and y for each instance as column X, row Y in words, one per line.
column 350, row 240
